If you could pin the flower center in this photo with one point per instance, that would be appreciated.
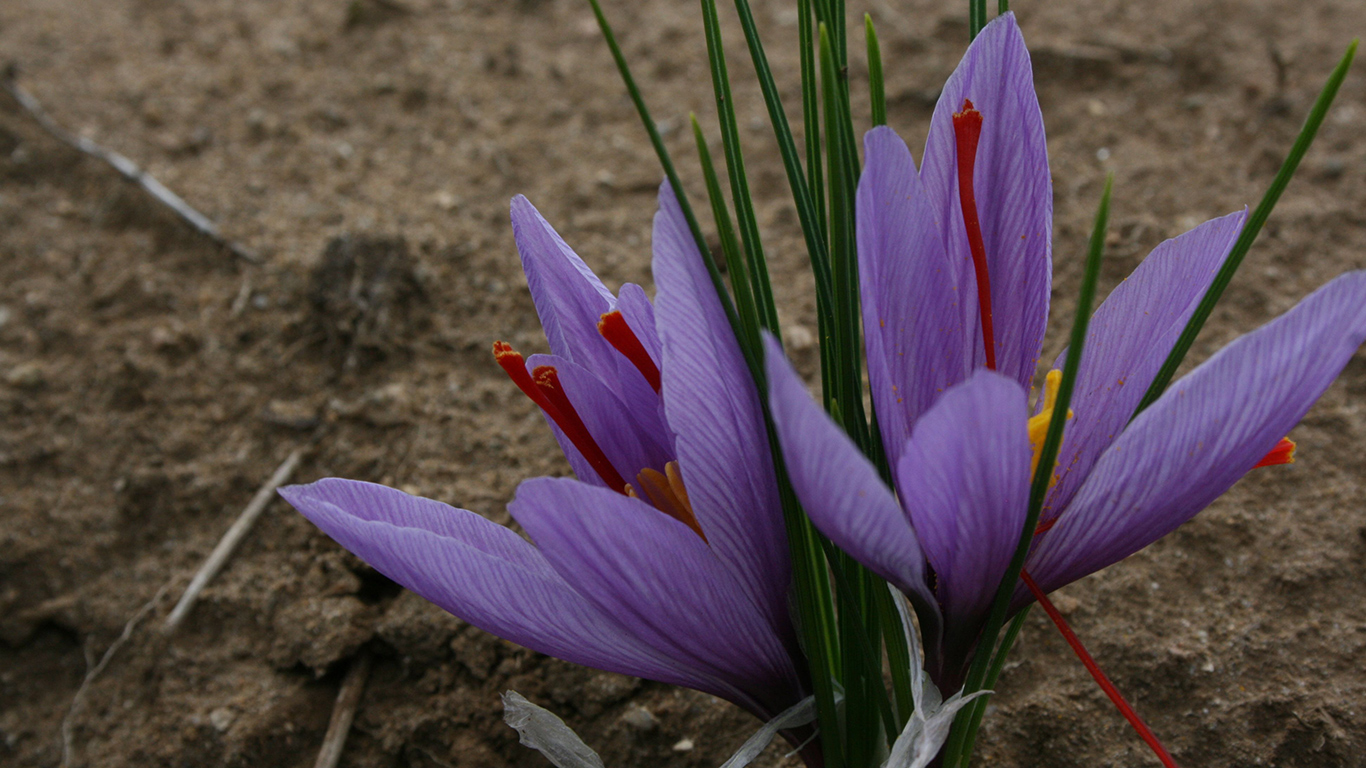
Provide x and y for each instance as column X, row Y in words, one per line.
column 967, row 129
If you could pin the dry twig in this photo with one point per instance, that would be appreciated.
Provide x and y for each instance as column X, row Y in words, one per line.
column 126, row 168
column 231, row 539
column 344, row 712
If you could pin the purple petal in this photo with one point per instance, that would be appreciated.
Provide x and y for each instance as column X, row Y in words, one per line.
column 713, row 407
column 917, row 303
column 1129, row 338
column 570, row 300
column 839, row 488
column 658, row 578
column 1204, row 433
column 964, row 478
column 485, row 574
column 632, row 439
column 1012, row 187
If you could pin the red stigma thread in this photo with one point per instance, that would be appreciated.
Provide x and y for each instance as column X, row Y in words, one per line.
column 967, row 129
column 613, row 327
column 546, row 392
column 1283, row 453
column 1094, row 669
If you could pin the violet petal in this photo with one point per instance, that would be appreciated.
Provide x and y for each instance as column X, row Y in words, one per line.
column 839, row 488
column 1208, row 430
column 1129, row 338
column 660, row 581
column 484, row 573
column 713, row 407
column 1013, row 191
column 964, row 479
column 915, row 298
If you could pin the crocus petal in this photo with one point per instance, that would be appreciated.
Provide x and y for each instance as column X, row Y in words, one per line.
column 964, row 479
column 1013, row 190
column 485, row 574
column 1204, row 433
column 660, row 581
column 713, row 407
column 631, row 439
column 916, row 303
column 1129, row 338
column 839, row 488
column 570, row 300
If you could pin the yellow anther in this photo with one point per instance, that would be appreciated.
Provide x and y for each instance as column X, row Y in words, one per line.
column 666, row 492
column 676, row 483
column 1038, row 425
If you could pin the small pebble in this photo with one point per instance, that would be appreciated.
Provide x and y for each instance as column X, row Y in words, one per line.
column 799, row 337
column 25, row 376
column 221, row 719
column 639, row 718
column 683, row 745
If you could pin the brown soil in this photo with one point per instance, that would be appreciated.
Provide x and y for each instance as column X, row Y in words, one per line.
column 149, row 381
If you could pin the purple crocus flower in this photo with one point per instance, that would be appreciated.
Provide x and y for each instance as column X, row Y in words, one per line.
column 947, row 297
column 666, row 558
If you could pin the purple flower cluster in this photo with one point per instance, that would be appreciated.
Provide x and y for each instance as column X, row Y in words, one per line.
column 666, row 558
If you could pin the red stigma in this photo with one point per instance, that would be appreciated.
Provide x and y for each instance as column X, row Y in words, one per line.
column 967, row 129
column 1104, row 682
column 545, row 391
column 1283, row 453
column 614, row 328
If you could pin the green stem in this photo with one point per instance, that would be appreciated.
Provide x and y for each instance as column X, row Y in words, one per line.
column 998, row 663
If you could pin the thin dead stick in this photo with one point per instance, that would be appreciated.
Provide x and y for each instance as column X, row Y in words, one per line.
column 126, row 168
column 68, row 722
column 230, row 540
column 344, row 711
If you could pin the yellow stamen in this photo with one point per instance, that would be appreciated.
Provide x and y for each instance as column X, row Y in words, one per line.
column 666, row 493
column 1038, row 425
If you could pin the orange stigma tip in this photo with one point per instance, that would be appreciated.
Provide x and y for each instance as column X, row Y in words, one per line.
column 513, row 365
column 1283, row 453
column 614, row 328
column 967, row 129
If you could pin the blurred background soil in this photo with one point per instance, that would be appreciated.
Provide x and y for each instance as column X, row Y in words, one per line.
column 150, row 381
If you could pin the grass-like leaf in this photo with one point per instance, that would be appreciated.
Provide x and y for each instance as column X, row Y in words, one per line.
column 876, row 88
column 748, row 224
column 730, row 246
